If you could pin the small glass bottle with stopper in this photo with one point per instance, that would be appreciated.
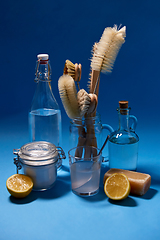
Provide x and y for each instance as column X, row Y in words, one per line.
column 123, row 143
column 44, row 115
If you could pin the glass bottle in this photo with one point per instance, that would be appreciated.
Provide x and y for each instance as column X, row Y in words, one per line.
column 44, row 115
column 123, row 143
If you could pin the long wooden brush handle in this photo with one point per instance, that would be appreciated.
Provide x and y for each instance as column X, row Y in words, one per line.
column 81, row 139
column 88, row 138
column 96, row 84
column 95, row 80
column 90, row 134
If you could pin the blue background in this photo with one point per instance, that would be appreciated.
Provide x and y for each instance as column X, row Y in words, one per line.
column 68, row 30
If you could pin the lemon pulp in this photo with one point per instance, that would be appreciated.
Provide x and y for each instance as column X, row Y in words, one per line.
column 19, row 185
column 117, row 186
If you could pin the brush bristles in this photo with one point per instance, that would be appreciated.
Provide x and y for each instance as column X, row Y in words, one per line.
column 69, row 64
column 69, row 68
column 74, row 70
column 105, row 53
column 68, row 95
column 83, row 101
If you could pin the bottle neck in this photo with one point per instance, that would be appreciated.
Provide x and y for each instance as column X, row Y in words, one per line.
column 43, row 78
column 123, row 119
column 43, row 71
column 43, row 97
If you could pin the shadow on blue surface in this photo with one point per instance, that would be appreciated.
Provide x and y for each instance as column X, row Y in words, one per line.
column 128, row 202
column 30, row 198
column 61, row 187
column 131, row 202
column 100, row 196
column 149, row 194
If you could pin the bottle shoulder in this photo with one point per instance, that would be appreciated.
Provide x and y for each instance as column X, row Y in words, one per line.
column 39, row 104
column 44, row 98
column 124, row 137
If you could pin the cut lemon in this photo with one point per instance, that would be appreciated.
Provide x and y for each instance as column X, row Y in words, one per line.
column 117, row 186
column 19, row 185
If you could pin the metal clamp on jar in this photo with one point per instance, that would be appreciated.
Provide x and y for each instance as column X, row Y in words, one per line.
column 39, row 160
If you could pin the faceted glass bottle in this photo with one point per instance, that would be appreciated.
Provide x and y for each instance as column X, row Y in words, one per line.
column 123, row 143
column 44, row 115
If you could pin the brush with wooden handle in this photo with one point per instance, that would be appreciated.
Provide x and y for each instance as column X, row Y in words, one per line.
column 74, row 70
column 106, row 51
column 76, row 104
column 104, row 55
column 87, row 102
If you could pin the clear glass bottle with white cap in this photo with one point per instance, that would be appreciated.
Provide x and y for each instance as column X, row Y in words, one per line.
column 44, row 115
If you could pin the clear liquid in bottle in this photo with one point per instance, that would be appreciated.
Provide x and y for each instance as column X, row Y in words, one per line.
column 45, row 124
column 123, row 156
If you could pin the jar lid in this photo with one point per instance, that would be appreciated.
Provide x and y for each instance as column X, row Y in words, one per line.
column 38, row 151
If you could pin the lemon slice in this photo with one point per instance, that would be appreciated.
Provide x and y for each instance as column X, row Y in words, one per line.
column 19, row 185
column 117, row 186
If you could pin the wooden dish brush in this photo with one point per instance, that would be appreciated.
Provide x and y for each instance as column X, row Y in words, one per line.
column 104, row 54
column 74, row 70
column 75, row 104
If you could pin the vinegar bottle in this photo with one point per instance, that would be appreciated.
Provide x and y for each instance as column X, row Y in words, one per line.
column 123, row 143
column 44, row 115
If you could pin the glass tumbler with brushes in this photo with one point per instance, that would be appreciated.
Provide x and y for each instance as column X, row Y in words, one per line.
column 81, row 106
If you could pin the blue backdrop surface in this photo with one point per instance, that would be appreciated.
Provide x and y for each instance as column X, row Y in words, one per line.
column 68, row 30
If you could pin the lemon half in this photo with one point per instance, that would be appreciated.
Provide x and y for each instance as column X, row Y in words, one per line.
column 19, row 185
column 117, row 186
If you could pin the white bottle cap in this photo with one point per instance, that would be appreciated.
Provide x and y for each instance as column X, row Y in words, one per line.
column 43, row 56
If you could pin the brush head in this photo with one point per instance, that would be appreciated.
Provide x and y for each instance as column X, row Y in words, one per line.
column 105, row 52
column 87, row 102
column 74, row 70
column 93, row 104
column 68, row 95
column 83, row 101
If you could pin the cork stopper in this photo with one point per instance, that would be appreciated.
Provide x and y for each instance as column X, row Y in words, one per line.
column 123, row 105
